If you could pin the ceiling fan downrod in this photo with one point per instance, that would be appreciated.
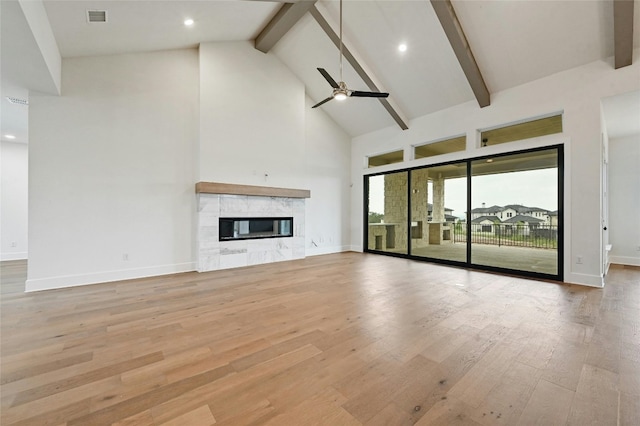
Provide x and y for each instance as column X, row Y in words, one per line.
column 340, row 90
column 341, row 79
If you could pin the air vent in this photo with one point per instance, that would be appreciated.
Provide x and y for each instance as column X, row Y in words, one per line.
column 94, row 16
column 18, row 101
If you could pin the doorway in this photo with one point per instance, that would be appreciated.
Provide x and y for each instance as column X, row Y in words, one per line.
column 621, row 180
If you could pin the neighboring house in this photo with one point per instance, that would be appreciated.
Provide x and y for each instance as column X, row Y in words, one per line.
column 485, row 223
column 512, row 211
column 527, row 220
column 521, row 224
column 486, row 211
column 509, row 219
column 448, row 214
column 508, row 213
column 536, row 212
column 553, row 218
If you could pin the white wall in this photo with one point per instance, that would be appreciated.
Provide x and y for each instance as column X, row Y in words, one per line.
column 258, row 128
column 624, row 199
column 327, row 162
column 114, row 160
column 251, row 118
column 111, row 170
column 577, row 92
column 13, row 200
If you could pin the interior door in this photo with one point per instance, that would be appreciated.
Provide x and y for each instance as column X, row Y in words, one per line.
column 606, row 248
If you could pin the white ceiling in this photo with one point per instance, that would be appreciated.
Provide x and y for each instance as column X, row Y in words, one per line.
column 514, row 42
column 142, row 26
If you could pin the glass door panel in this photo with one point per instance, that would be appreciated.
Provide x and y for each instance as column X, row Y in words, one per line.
column 387, row 214
column 438, row 208
column 514, row 212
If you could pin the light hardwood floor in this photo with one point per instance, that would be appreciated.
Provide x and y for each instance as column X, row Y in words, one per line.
column 343, row 339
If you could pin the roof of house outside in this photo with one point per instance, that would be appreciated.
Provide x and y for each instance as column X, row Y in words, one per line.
column 430, row 208
column 492, row 209
column 521, row 218
column 483, row 218
column 523, row 209
column 518, row 208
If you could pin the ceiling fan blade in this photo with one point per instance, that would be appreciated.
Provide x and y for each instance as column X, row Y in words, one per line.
column 322, row 102
column 359, row 94
column 327, row 77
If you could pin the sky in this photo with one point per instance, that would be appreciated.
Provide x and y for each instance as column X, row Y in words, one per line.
column 533, row 188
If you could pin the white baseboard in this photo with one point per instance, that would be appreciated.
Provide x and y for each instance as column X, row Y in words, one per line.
column 21, row 255
column 317, row 251
column 584, row 279
column 64, row 281
column 625, row 260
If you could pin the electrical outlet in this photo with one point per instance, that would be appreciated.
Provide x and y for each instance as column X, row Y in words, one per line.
column 125, row 257
column 579, row 260
column 15, row 244
column 638, row 248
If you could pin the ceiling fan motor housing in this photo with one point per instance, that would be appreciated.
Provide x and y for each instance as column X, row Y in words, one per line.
column 341, row 92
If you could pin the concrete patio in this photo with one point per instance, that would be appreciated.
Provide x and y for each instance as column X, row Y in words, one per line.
column 544, row 261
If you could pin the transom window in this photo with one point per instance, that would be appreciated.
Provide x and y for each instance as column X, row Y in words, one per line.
column 515, row 132
column 442, row 147
column 384, row 159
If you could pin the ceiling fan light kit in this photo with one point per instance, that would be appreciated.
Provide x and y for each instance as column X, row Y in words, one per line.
column 339, row 95
column 340, row 90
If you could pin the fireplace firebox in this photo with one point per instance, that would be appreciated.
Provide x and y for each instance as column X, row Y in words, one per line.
column 248, row 228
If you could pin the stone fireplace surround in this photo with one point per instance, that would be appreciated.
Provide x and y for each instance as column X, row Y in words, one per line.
column 217, row 200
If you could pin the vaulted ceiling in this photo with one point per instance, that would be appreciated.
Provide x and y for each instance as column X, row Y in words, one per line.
column 509, row 42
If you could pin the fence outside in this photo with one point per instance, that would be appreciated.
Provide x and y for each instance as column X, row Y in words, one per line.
column 502, row 234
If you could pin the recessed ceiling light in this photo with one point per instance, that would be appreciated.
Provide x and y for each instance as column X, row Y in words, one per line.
column 402, row 47
column 9, row 136
column 189, row 22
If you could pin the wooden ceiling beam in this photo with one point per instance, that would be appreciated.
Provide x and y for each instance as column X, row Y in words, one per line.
column 623, row 32
column 391, row 108
column 288, row 15
column 452, row 28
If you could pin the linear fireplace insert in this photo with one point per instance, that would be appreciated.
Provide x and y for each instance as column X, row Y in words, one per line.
column 247, row 228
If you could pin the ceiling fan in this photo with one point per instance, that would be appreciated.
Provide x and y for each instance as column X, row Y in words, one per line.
column 340, row 90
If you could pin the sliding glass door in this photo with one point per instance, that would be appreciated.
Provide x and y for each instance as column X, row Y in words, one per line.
column 387, row 213
column 514, row 212
column 500, row 213
column 438, row 208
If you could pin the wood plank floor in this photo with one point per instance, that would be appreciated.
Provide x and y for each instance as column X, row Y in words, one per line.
column 342, row 339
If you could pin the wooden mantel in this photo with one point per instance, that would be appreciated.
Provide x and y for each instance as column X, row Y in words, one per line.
column 265, row 191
